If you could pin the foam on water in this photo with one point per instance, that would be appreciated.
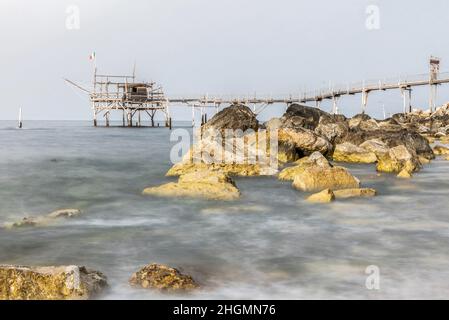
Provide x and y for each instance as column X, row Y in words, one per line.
column 269, row 244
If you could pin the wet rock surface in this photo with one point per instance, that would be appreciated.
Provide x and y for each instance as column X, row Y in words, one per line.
column 43, row 220
column 50, row 283
column 162, row 278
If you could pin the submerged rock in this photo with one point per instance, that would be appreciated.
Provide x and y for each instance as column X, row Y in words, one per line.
column 354, row 193
column 397, row 159
column 348, row 152
column 316, row 159
column 45, row 219
column 440, row 150
column 324, row 196
column 205, row 184
column 49, row 283
column 163, row 278
column 315, row 179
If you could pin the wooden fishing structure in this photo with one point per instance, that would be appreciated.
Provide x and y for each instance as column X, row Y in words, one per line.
column 134, row 100
column 124, row 94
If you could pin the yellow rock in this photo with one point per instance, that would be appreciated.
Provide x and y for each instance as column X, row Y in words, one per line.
column 315, row 159
column 163, row 278
column 378, row 147
column 324, row 196
column 397, row 159
column 316, row 179
column 49, row 283
column 404, row 174
column 423, row 160
column 440, row 150
column 232, row 169
column 354, row 193
column 348, row 152
column 198, row 184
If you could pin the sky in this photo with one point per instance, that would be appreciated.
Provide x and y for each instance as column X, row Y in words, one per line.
column 232, row 47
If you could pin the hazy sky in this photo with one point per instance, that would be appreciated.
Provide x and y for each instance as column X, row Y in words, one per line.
column 216, row 47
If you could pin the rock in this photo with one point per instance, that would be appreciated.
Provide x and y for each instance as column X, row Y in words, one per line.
column 49, row 283
column 300, row 116
column 444, row 140
column 273, row 124
column 398, row 159
column 305, row 141
column 315, row 159
column 211, row 185
column 332, row 128
column 45, row 219
column 404, row 174
column 162, row 278
column 356, row 120
column 247, row 155
column 348, row 152
column 376, row 146
column 64, row 213
column 440, row 150
column 235, row 117
column 423, row 160
column 315, row 179
column 412, row 140
column 354, row 193
column 324, row 196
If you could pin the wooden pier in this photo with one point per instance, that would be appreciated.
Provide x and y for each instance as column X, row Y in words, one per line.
column 138, row 99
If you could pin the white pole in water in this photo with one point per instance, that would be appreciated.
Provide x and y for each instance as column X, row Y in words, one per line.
column 20, row 118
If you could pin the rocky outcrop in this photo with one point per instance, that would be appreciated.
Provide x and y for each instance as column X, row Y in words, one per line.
column 49, row 283
column 348, row 152
column 210, row 185
column 324, row 196
column 45, row 219
column 314, row 179
column 235, row 117
column 397, row 159
column 162, row 278
column 354, row 193
column 300, row 116
column 316, row 159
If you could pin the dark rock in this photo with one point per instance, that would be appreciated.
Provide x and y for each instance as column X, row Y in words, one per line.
column 234, row 117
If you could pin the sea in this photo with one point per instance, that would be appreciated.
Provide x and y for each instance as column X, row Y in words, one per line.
column 269, row 244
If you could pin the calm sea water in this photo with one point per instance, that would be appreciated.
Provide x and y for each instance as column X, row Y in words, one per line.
column 269, row 244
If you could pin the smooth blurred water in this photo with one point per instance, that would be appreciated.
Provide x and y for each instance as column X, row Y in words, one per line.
column 269, row 244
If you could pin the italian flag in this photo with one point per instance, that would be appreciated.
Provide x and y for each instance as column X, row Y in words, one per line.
column 92, row 56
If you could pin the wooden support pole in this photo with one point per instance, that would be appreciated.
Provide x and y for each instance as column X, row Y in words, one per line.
column 410, row 100
column 364, row 100
column 169, row 123
column 123, row 118
column 193, row 115
column 95, row 117
column 107, row 119
column 138, row 118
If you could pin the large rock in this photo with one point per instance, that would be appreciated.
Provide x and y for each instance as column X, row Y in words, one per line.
column 397, row 159
column 49, row 283
column 247, row 155
column 162, row 278
column 324, row 196
column 315, row 179
column 375, row 146
column 45, row 219
column 412, row 140
column 198, row 184
column 316, row 159
column 235, row 117
column 300, row 116
column 348, row 152
column 305, row 141
column 332, row 127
